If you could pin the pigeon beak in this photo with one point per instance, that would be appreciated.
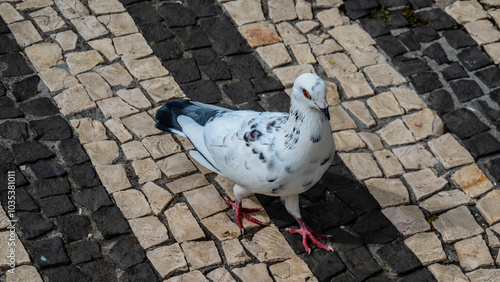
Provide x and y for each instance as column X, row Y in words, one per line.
column 323, row 107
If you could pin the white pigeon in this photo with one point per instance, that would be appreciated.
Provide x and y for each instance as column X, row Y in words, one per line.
column 270, row 153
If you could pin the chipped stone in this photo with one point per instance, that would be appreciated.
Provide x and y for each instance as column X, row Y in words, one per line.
column 409, row 220
column 302, row 52
column 414, row 157
column 201, row 254
column 362, row 165
column 158, row 197
column 289, row 34
column 245, row 11
column 424, row 183
column 489, row 208
column 449, row 152
column 105, row 46
column 446, row 200
column 388, row 192
column 43, row 56
column 176, row 165
column 119, row 24
column 466, row 11
column 89, row 27
column 25, row 33
column 483, row 275
column 337, row 64
column 167, row 259
column 303, row 9
column 281, row 10
column 371, row 140
column 220, row 275
column 360, row 111
column 287, row 75
column 332, row 18
column 269, row 245
column 364, row 56
column 221, row 226
column 115, row 107
column 47, row 19
column 385, row 105
column 74, row 100
column 194, row 275
column 132, row 46
column 408, row 99
column 396, row 133
column 132, row 203
column 113, row 177
column 146, row 169
column 106, row 6
column 163, row 89
column 187, row 183
column 134, row 150
column 259, row 34
column 141, row 124
column 79, row 62
column 160, row 146
column 134, row 97
column 116, row 127
column 448, row 272
column 89, row 130
column 355, row 85
column 102, row 152
column 389, row 163
column 347, row 140
column 182, row 223
column 384, row 75
column 473, row 253
column 72, row 9
column 147, row 68
column 427, row 247
column 350, row 36
column 149, row 231
column 57, row 79
column 9, row 14
column 22, row 256
column 340, row 120
column 332, row 93
column 472, row 180
column 205, row 201
column 274, row 55
column 95, row 85
column 67, row 39
column 253, row 272
column 457, row 224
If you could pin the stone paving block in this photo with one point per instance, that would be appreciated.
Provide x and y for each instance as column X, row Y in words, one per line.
column 33, row 4
column 483, row 275
column 360, row 263
column 473, row 253
column 79, row 62
column 118, row 129
column 332, row 18
column 457, row 224
column 21, row 256
column 149, row 231
column 326, row 47
column 146, row 170
column 274, row 55
column 493, row 50
column 489, row 208
column 388, row 192
column 167, row 259
column 389, row 163
column 182, row 223
column 303, row 10
column 234, row 252
column 74, row 100
column 67, row 39
column 244, row 12
column 332, row 93
column 115, row 107
column 269, row 245
column 449, row 152
column 158, row 197
column 350, row 36
column 199, row 198
column 482, row 32
column 187, row 183
column 201, row 254
column 398, row 258
column 113, row 177
column 472, row 180
column 116, row 75
column 423, row 124
column 89, row 27
column 493, row 240
column 340, row 119
column 385, row 105
column 160, row 146
column 163, row 89
column 176, row 165
column 364, row 56
column 146, row 68
column 132, row 46
column 9, row 14
column 95, row 85
column 47, row 19
column 132, row 203
column 396, row 133
column 194, row 275
column 362, row 165
column 408, row 99
column 102, row 152
column 259, row 34
column 89, row 130
column 447, row 272
column 105, row 46
column 253, row 272
column 289, row 34
column 134, row 97
column 337, row 64
column 25, row 33
column 409, row 220
column 57, row 79
column 302, row 53
column 220, row 275
column 106, row 7
column 371, row 140
column 119, row 24
column 291, row 270
column 221, row 226
column 424, row 183
column 134, row 150
column 23, row 273
column 44, row 55
column 384, row 75
column 287, row 75
column 347, row 140
column 414, row 157
column 281, row 10
column 72, row 9
column 427, row 247
column 141, row 124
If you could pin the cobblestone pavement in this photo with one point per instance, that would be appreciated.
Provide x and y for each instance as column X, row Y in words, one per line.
column 102, row 195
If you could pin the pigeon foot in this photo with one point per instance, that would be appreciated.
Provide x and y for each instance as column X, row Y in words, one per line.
column 306, row 233
column 240, row 211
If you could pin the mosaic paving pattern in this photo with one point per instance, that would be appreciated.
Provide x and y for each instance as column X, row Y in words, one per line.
column 103, row 195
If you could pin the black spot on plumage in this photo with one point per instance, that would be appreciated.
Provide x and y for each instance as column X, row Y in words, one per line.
column 261, row 157
column 252, row 135
column 315, row 138
column 271, row 180
column 289, row 170
column 253, row 126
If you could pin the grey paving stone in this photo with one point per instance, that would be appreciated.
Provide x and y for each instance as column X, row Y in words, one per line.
column 482, row 144
column 466, row 89
column 30, row 151
column 426, row 81
column 127, row 252
column 396, row 20
column 51, row 187
column 409, row 67
column 56, row 205
column 33, row 225
column 472, row 58
column 99, row 271
column 53, row 128
column 93, row 198
column 437, row 18
column 39, row 107
column 453, row 71
column 64, row 273
column 48, row 252
column 436, row 52
column 393, row 3
column 14, row 130
column 83, row 251
column 417, row 4
column 458, row 38
column 73, row 227
column 176, row 15
column 441, row 101
column 409, row 40
column 464, row 123
column 489, row 76
column 425, row 33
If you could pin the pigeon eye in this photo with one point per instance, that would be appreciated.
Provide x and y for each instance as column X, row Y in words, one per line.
column 306, row 94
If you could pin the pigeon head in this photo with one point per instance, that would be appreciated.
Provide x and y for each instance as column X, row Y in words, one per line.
column 310, row 90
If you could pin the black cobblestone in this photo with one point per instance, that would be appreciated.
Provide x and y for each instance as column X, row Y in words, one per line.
column 5, row 156
column 144, row 13
column 458, row 38
column 441, row 101
column 30, row 151
column 417, row 4
column 56, row 205
column 375, row 228
column 155, row 32
column 24, row 202
column 421, row 275
column 426, row 81
column 204, row 91
column 127, row 252
column 245, row 66
column 100, row 271
column 183, row 70
column 472, row 58
column 15, row 65
column 425, row 33
column 51, row 129
column 489, row 76
column 494, row 168
column 93, row 198
column 7, row 109
column 211, row 65
column 240, row 92
column 436, row 52
column 482, row 144
column 359, row 8
column 226, row 40
column 47, row 169
column 84, row 175
column 33, row 225
column 397, row 20
column 324, row 265
column 64, row 273
column 48, row 252
column 454, row 71
column 140, row 272
column 391, row 45
column 358, row 199
column 51, row 187
column 203, row 8
column 14, row 130
column 8, row 45
column 83, row 251
column 409, row 40
column 176, row 15
column 375, row 27
column 331, row 213
column 466, row 89
column 409, row 67
column 110, row 222
column 26, row 88
column 464, row 123
column 73, row 227
column 437, row 18
column 360, row 263
column 39, row 107
column 192, row 37
column 167, row 50
column 73, row 152
column 399, row 258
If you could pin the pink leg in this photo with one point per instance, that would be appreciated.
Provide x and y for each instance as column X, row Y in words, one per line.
column 243, row 212
column 306, row 232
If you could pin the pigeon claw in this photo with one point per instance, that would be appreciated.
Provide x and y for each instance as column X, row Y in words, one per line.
column 307, row 233
column 240, row 211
